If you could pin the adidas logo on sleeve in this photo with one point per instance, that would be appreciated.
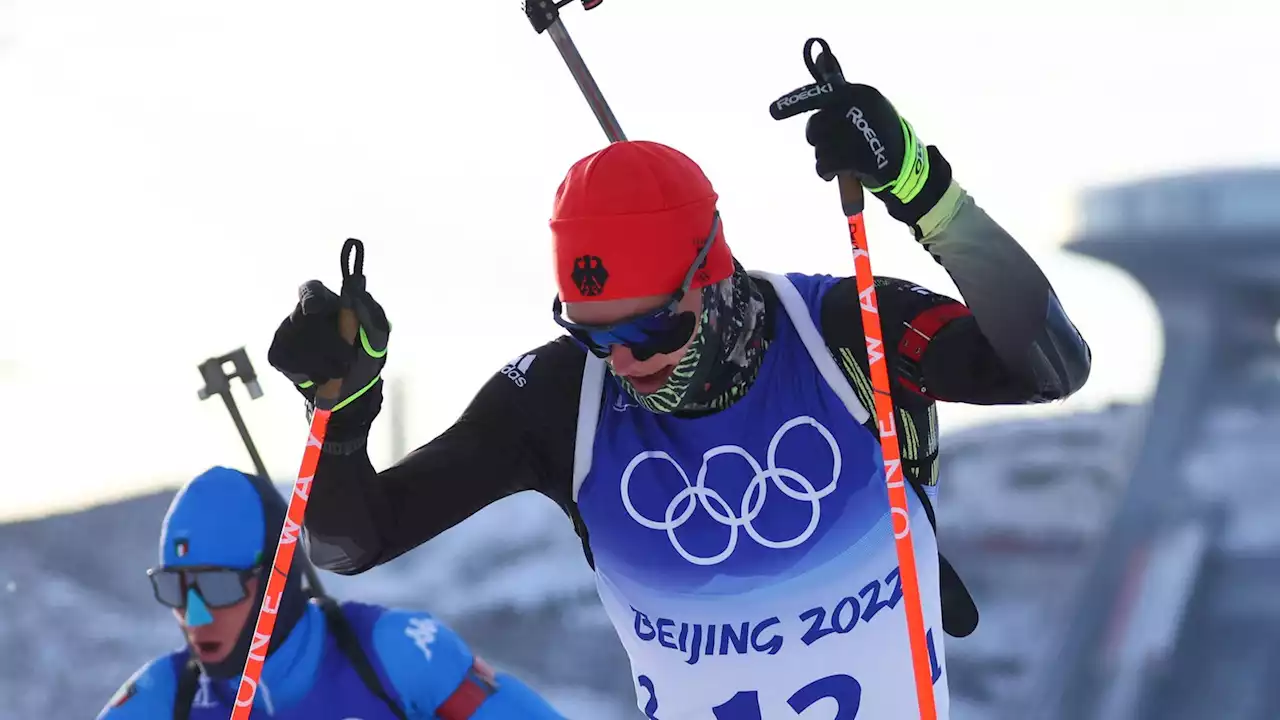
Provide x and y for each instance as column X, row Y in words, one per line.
column 516, row 369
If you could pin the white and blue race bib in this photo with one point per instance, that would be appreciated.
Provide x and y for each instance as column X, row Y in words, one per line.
column 746, row 558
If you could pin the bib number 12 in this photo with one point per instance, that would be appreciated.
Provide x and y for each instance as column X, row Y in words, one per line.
column 845, row 690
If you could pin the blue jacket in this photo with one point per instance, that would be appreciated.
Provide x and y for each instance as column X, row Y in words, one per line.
column 419, row 661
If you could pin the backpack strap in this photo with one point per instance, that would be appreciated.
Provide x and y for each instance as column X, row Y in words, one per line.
column 802, row 322
column 589, row 401
column 349, row 646
column 959, row 612
column 188, row 685
column 476, row 687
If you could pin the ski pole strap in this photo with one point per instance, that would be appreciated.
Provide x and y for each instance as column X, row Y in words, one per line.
column 476, row 687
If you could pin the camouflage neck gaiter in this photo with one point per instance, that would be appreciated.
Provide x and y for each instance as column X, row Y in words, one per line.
column 724, row 357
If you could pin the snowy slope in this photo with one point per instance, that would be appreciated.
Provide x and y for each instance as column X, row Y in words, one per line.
column 76, row 615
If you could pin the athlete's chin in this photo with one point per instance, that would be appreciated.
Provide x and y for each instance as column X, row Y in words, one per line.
column 647, row 384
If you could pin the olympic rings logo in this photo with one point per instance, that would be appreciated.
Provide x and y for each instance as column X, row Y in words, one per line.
column 682, row 506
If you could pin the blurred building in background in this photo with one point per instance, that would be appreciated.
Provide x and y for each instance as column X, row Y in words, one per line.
column 1178, row 612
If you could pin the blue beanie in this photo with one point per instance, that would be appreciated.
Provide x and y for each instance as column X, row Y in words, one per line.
column 216, row 519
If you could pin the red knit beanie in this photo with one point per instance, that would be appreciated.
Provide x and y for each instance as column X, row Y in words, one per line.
column 629, row 221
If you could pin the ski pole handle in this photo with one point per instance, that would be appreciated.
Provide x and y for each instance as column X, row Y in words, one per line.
column 544, row 15
column 852, row 201
column 826, row 69
column 348, row 328
column 218, row 381
column 353, row 284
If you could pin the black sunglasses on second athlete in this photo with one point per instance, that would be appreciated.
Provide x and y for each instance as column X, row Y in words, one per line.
column 218, row 587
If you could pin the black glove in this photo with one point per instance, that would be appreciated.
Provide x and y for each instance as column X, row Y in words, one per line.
column 309, row 349
column 856, row 129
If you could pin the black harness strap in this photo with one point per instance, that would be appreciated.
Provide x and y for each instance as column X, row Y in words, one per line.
column 188, row 685
column 349, row 646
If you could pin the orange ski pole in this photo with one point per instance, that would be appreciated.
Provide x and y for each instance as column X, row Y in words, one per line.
column 920, row 660
column 291, row 532
column 826, row 69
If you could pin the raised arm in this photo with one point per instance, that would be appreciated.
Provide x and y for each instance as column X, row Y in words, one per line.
column 1017, row 324
column 1012, row 342
column 517, row 434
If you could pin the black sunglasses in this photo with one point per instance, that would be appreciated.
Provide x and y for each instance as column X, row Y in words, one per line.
column 657, row 332
column 218, row 587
